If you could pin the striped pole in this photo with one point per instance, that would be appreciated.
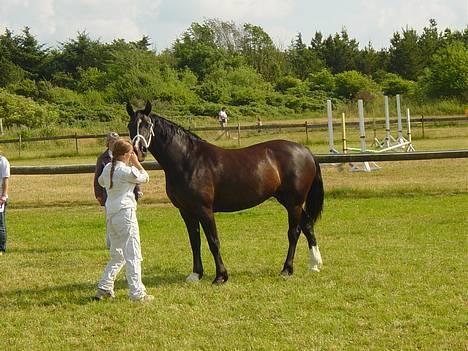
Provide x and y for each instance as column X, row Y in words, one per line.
column 362, row 130
column 331, row 145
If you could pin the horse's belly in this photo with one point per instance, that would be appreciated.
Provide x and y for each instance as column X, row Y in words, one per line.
column 237, row 202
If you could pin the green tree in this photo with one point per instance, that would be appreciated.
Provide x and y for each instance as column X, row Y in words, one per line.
column 429, row 42
column 447, row 75
column 30, row 55
column 303, row 60
column 323, row 80
column 340, row 53
column 20, row 57
column 260, row 52
column 197, row 50
column 405, row 55
column 10, row 73
column 353, row 84
column 393, row 84
column 369, row 61
column 80, row 54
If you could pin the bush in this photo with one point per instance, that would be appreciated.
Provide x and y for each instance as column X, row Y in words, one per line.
column 287, row 82
column 24, row 112
column 350, row 83
column 393, row 84
column 322, row 80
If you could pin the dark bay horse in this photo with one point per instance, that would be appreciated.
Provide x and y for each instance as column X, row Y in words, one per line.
column 202, row 179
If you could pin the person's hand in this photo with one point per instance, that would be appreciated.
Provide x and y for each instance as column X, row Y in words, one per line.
column 134, row 161
column 2, row 200
column 140, row 194
column 100, row 200
column 134, row 158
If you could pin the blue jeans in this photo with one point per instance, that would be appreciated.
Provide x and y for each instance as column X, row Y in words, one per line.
column 3, row 233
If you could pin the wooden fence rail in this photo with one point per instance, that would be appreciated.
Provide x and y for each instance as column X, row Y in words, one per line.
column 332, row 158
column 308, row 125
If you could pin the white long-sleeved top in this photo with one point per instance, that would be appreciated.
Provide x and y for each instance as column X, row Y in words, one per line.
column 123, row 182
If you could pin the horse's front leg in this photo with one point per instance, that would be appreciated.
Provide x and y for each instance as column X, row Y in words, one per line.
column 193, row 228
column 209, row 227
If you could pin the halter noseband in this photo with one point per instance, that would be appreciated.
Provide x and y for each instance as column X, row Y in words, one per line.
column 139, row 136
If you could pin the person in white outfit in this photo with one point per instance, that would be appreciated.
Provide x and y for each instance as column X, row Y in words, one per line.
column 119, row 180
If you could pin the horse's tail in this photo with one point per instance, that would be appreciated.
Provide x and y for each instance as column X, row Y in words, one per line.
column 315, row 196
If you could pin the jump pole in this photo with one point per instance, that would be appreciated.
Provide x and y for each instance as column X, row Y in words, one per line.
column 400, row 140
column 343, row 132
column 367, row 166
column 388, row 136
column 408, row 121
column 331, row 144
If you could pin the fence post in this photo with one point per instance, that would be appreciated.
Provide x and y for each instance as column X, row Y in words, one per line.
column 422, row 125
column 238, row 133
column 307, row 133
column 76, row 143
column 20, row 145
column 1, row 126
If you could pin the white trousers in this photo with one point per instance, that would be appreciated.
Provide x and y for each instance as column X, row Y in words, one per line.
column 125, row 249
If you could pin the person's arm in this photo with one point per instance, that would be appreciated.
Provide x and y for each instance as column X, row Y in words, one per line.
column 141, row 176
column 98, row 189
column 4, row 195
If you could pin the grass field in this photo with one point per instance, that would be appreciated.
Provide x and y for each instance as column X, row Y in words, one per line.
column 394, row 279
column 394, row 244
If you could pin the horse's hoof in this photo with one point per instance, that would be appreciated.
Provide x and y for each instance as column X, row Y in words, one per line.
column 286, row 273
column 220, row 280
column 193, row 278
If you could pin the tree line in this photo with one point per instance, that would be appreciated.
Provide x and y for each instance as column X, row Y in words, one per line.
column 217, row 63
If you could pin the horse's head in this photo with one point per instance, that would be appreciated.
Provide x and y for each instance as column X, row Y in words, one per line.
column 140, row 128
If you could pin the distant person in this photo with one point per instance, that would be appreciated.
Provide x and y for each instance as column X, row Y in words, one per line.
column 119, row 178
column 5, row 178
column 102, row 161
column 223, row 119
column 259, row 124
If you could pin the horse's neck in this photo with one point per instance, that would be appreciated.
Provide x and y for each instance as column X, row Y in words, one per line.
column 173, row 154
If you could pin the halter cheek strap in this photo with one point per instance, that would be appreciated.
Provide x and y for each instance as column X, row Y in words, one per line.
column 139, row 136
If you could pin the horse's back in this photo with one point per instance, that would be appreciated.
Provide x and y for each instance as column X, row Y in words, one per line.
column 248, row 176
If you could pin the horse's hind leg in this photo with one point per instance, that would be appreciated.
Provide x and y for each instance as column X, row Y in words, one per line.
column 193, row 228
column 308, row 230
column 294, row 215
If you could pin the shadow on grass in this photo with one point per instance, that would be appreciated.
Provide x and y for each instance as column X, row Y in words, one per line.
column 83, row 293
column 42, row 250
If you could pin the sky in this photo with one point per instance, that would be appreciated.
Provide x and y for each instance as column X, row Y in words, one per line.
column 57, row 21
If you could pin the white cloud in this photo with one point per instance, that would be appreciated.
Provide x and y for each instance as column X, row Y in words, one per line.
column 382, row 18
column 55, row 21
column 246, row 9
column 17, row 14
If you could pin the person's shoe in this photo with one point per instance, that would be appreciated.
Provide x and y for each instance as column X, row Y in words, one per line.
column 2, row 253
column 102, row 294
column 144, row 298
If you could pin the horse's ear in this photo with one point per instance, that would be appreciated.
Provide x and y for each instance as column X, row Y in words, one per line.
column 148, row 108
column 129, row 109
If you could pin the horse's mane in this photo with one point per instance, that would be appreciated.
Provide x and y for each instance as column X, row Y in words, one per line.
column 170, row 129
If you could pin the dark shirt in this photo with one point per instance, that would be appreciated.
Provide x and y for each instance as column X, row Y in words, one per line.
column 99, row 191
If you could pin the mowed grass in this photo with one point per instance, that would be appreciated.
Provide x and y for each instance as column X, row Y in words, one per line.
column 394, row 278
column 394, row 244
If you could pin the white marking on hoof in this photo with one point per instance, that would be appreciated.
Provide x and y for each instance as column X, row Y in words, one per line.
column 193, row 278
column 314, row 269
column 315, row 259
